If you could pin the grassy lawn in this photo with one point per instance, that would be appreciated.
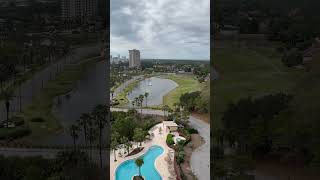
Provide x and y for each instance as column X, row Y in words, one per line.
column 41, row 107
column 187, row 83
column 248, row 72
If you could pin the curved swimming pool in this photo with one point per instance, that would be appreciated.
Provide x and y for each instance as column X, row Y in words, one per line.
column 128, row 169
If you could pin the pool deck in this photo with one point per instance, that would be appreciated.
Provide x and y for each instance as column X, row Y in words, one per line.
column 163, row 163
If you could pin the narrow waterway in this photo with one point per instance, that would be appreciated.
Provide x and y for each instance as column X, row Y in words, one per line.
column 24, row 94
column 90, row 91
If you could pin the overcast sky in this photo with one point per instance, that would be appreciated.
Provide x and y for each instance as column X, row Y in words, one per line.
column 164, row 29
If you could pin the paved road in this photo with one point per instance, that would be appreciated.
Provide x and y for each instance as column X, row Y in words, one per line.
column 200, row 158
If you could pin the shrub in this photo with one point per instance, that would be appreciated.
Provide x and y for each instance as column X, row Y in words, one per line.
column 193, row 131
column 37, row 119
column 170, row 140
column 292, row 58
column 18, row 121
column 180, row 157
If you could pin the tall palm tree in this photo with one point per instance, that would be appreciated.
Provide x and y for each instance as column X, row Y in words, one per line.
column 146, row 94
column 73, row 130
column 84, row 122
column 141, row 102
column 136, row 100
column 91, row 136
column 114, row 143
column 139, row 162
column 133, row 103
column 165, row 109
column 100, row 113
column 7, row 96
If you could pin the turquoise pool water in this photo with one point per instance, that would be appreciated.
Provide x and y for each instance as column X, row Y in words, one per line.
column 128, row 169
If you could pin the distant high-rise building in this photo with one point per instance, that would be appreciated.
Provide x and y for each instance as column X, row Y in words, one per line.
column 134, row 58
column 78, row 9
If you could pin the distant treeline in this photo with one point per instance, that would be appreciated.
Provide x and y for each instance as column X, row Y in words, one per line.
column 293, row 22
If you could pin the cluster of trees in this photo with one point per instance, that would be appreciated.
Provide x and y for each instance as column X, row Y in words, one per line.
column 249, row 124
column 128, row 127
column 274, row 125
column 138, row 101
column 73, row 165
column 250, row 127
column 292, row 22
column 201, row 72
column 292, row 57
column 195, row 102
column 92, row 125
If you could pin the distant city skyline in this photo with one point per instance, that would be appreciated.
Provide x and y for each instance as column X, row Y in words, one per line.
column 161, row 29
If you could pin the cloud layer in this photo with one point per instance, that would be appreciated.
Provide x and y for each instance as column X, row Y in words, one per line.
column 170, row 29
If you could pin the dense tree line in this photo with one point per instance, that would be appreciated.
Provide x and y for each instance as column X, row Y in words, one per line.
column 195, row 102
column 294, row 23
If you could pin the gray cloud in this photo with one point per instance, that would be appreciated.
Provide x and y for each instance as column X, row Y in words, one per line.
column 161, row 28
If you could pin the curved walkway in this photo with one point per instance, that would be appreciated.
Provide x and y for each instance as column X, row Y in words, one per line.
column 200, row 158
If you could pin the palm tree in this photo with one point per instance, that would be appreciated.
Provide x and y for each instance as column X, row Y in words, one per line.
column 146, row 94
column 74, row 134
column 7, row 96
column 133, row 103
column 85, row 121
column 139, row 162
column 114, row 143
column 136, row 101
column 141, row 102
column 100, row 116
column 91, row 136
column 165, row 109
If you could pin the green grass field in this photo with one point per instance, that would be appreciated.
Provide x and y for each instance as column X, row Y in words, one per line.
column 41, row 107
column 248, row 72
column 187, row 83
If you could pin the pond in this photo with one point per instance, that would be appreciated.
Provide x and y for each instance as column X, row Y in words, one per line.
column 156, row 87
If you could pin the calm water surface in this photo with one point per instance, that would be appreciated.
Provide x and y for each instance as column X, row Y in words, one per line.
column 90, row 91
column 156, row 87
